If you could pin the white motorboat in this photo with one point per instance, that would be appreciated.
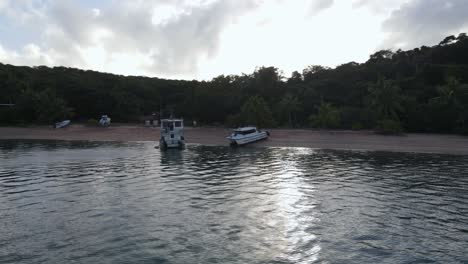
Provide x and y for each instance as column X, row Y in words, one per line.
column 172, row 134
column 62, row 124
column 246, row 135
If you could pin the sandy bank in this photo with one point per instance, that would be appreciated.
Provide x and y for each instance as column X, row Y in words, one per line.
column 348, row 140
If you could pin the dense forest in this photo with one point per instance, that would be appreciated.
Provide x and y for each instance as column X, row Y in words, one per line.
column 419, row 90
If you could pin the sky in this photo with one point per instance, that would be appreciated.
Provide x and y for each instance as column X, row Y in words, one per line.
column 202, row 39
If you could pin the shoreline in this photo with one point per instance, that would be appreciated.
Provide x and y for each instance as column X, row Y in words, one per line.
column 215, row 136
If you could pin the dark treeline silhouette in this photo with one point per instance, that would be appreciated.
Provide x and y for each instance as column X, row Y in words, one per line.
column 420, row 90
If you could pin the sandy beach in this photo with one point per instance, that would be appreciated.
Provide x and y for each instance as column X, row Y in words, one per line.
column 322, row 139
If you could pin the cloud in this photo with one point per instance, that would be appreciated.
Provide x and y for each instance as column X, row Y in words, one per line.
column 319, row 5
column 182, row 38
column 3, row 4
column 424, row 22
column 3, row 54
column 174, row 35
column 194, row 35
column 30, row 54
column 380, row 6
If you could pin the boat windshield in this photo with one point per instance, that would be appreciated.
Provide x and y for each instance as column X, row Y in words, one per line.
column 168, row 126
column 244, row 132
column 171, row 124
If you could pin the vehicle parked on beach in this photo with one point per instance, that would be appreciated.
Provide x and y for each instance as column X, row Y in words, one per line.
column 172, row 134
column 245, row 135
column 104, row 121
column 62, row 124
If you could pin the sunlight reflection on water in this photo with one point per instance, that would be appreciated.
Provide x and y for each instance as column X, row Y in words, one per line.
column 127, row 202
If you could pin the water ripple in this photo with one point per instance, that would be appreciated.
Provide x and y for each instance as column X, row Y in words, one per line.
column 127, row 202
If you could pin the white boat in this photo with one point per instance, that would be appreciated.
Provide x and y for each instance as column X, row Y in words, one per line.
column 246, row 135
column 62, row 124
column 172, row 134
column 104, row 121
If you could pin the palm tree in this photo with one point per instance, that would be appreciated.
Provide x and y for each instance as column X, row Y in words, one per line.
column 385, row 99
column 290, row 105
column 447, row 93
column 255, row 111
column 449, row 101
column 326, row 117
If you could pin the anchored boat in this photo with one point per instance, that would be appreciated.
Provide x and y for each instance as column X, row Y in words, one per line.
column 104, row 121
column 246, row 135
column 172, row 134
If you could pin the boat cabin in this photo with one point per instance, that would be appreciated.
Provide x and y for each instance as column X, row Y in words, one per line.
column 244, row 131
column 105, row 120
column 172, row 133
column 168, row 125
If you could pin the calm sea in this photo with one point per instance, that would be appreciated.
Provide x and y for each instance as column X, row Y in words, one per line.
column 64, row 202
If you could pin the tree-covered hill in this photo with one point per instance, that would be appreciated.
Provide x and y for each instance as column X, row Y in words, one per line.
column 424, row 90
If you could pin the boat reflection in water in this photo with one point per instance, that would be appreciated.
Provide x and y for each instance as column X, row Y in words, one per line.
column 127, row 203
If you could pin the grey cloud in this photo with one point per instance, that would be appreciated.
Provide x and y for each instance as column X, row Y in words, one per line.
column 4, row 5
column 319, row 5
column 74, row 21
column 23, row 12
column 34, row 19
column 425, row 22
column 379, row 6
column 195, row 35
column 174, row 47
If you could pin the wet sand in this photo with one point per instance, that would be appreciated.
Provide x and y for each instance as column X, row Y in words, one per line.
column 322, row 139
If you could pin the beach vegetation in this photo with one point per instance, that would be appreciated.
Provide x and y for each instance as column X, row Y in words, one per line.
column 418, row 90
column 256, row 112
column 385, row 99
column 327, row 116
column 92, row 122
column 287, row 109
column 388, row 127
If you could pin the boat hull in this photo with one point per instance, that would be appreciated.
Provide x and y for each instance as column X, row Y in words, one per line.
column 248, row 139
column 174, row 144
column 62, row 124
column 172, row 134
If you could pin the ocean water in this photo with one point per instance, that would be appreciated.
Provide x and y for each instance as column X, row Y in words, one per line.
column 77, row 202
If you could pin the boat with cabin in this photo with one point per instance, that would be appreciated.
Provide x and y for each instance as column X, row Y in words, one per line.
column 245, row 135
column 105, row 121
column 172, row 134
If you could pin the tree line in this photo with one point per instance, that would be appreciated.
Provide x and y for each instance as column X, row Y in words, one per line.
column 419, row 90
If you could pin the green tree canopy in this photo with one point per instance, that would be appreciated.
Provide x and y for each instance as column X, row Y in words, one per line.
column 408, row 88
column 327, row 117
column 288, row 106
column 385, row 99
column 256, row 112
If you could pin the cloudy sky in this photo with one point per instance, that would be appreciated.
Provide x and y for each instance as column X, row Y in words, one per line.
column 201, row 39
